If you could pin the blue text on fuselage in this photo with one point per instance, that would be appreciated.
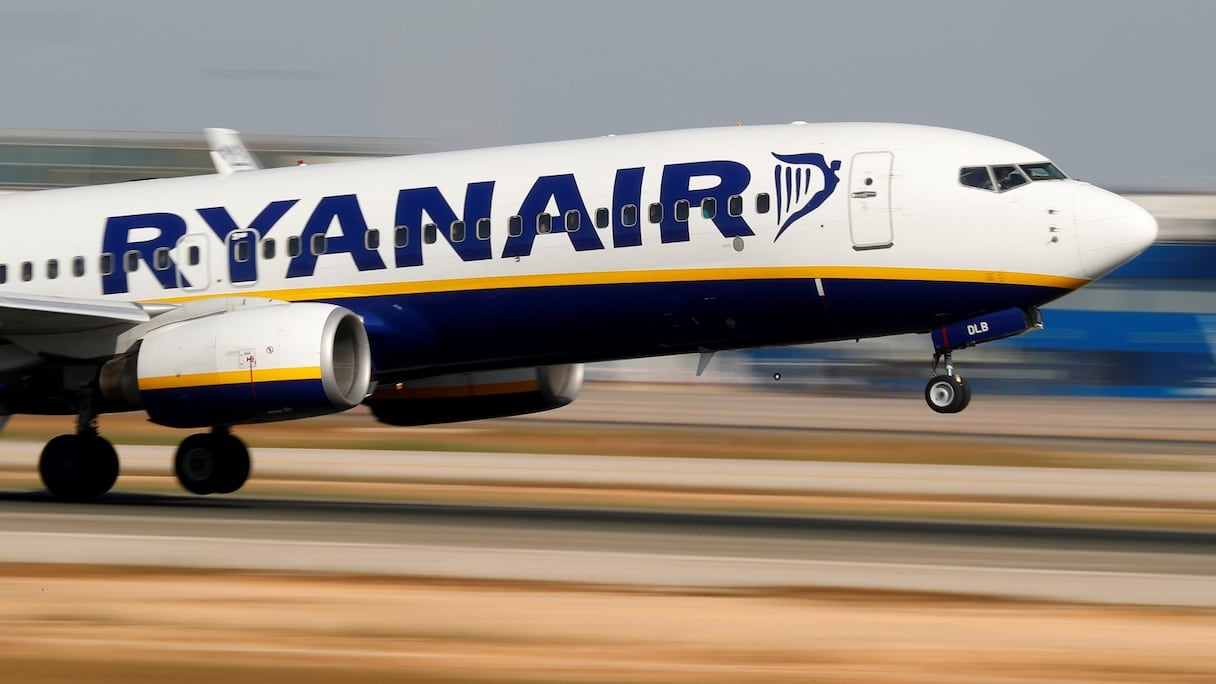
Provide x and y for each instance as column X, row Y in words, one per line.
column 341, row 219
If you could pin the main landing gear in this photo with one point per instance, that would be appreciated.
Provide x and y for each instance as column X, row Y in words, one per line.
column 212, row 463
column 84, row 466
column 80, row 466
column 947, row 393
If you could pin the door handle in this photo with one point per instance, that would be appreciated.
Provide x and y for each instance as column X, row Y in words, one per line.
column 864, row 194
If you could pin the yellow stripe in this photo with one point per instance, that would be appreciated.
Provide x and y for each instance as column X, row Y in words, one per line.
column 641, row 277
column 230, row 378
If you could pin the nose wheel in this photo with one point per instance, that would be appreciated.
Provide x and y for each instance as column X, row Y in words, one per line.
column 947, row 393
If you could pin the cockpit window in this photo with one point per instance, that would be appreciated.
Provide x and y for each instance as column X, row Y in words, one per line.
column 1008, row 177
column 975, row 177
column 1043, row 171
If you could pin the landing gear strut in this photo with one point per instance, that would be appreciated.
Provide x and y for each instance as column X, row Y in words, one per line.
column 84, row 466
column 947, row 393
column 214, row 462
column 81, row 466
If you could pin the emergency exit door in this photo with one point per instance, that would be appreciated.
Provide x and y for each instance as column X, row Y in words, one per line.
column 190, row 256
column 870, row 200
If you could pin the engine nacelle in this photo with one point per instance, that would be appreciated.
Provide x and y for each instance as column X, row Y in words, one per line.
column 261, row 364
column 473, row 396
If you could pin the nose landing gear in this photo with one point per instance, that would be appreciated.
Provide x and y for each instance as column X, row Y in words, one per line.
column 947, row 393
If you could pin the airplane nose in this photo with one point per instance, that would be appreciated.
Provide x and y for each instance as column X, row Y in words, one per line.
column 1110, row 230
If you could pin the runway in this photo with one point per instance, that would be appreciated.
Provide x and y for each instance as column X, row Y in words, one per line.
column 617, row 547
column 678, row 522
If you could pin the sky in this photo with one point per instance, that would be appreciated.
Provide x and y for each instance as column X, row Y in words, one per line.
column 1116, row 92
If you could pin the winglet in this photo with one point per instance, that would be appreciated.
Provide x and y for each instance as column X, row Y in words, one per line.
column 228, row 151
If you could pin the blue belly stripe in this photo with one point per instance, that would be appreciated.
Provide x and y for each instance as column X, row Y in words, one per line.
column 430, row 333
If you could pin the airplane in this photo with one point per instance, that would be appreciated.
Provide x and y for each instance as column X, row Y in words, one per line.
column 473, row 284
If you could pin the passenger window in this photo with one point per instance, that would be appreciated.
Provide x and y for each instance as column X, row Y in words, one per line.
column 656, row 212
column 629, row 215
column 762, row 203
column 458, row 231
column 161, row 258
column 544, row 223
column 515, row 226
column 401, row 236
column 194, row 255
column 132, row 259
column 483, row 229
column 52, row 269
column 78, row 266
column 430, row 233
column 574, row 219
column 371, row 239
column 709, row 207
column 27, row 271
column 1008, row 177
column 734, row 205
column 681, row 210
column 601, row 217
column 240, row 253
column 293, row 246
column 317, row 244
column 268, row 247
column 106, row 263
column 3, row 273
column 975, row 177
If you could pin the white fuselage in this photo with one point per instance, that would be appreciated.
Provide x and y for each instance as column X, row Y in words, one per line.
column 842, row 230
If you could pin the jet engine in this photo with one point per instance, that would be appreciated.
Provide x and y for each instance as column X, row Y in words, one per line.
column 477, row 395
column 263, row 364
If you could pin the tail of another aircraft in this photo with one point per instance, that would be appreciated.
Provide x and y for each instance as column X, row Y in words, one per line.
column 228, row 151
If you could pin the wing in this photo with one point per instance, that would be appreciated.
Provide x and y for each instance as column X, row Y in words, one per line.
column 46, row 315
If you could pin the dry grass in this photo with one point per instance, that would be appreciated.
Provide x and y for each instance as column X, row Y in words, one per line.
column 61, row 624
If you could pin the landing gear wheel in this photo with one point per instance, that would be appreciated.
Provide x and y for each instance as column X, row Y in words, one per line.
column 79, row 467
column 212, row 463
column 233, row 465
column 947, row 393
column 195, row 464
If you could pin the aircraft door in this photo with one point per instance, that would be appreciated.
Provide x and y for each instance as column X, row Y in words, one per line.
column 190, row 255
column 870, row 200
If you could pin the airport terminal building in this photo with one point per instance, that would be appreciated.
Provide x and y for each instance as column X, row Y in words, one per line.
column 35, row 160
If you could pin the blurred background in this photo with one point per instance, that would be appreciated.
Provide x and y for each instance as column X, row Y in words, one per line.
column 1115, row 92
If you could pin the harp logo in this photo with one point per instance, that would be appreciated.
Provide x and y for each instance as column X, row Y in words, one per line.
column 803, row 182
